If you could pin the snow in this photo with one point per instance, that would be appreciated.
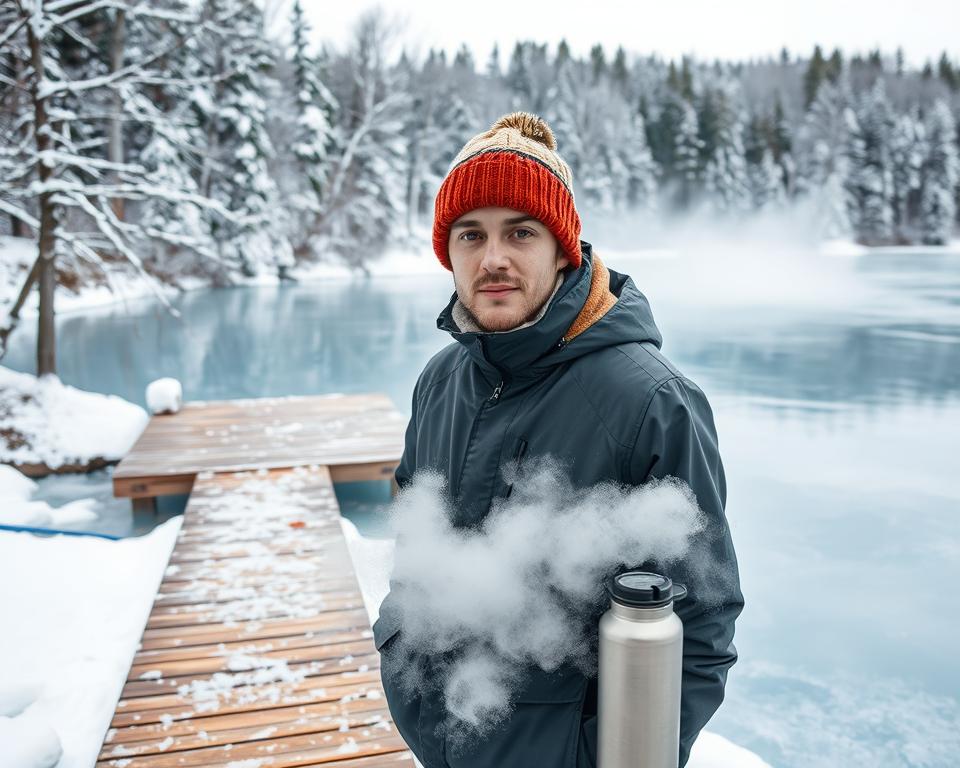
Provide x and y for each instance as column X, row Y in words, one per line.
column 842, row 247
column 164, row 395
column 17, row 255
column 28, row 741
column 56, row 424
column 65, row 649
column 711, row 750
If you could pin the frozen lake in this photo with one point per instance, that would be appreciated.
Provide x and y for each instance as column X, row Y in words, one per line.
column 836, row 388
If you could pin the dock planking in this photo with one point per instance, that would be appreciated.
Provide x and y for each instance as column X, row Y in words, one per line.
column 258, row 648
column 359, row 437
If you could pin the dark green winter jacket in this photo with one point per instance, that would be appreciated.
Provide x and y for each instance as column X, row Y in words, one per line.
column 613, row 408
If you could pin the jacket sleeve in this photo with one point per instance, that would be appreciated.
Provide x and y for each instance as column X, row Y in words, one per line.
column 388, row 619
column 677, row 437
column 408, row 459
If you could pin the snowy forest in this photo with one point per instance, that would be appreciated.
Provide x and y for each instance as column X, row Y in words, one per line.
column 180, row 137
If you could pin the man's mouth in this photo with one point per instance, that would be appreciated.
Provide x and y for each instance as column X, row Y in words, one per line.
column 497, row 290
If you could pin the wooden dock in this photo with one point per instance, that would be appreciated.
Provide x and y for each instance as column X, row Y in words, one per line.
column 258, row 650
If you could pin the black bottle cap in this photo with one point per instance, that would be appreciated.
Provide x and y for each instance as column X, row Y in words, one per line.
column 642, row 589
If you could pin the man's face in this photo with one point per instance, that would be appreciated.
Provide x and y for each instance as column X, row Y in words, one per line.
column 505, row 264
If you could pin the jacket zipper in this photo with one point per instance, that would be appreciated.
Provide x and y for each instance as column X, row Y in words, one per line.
column 496, row 393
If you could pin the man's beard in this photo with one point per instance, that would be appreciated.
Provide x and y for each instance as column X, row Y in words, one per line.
column 526, row 319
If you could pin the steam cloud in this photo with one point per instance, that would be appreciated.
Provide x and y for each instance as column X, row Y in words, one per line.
column 525, row 587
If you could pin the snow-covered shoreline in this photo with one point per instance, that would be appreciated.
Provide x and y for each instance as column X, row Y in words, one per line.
column 74, row 609
column 48, row 426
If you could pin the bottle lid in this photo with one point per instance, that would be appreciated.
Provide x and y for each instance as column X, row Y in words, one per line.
column 642, row 589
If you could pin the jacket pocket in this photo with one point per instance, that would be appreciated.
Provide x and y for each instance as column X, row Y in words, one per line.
column 519, row 451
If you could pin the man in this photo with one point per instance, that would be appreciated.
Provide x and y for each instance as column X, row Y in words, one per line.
column 554, row 355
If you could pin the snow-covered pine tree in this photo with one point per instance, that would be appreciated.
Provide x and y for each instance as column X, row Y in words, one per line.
column 766, row 182
column 822, row 143
column 870, row 178
column 725, row 175
column 687, row 149
column 166, row 143
column 643, row 173
column 232, row 62
column 941, row 173
column 316, row 138
column 907, row 150
column 565, row 112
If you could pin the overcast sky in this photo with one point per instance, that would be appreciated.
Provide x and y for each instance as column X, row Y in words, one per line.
column 734, row 29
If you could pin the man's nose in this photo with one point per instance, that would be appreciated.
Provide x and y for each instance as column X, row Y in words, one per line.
column 495, row 257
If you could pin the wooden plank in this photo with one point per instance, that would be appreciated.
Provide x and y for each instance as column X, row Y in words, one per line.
column 176, row 637
column 257, row 647
column 342, row 686
column 288, row 752
column 359, row 436
column 212, row 589
column 147, row 661
column 302, row 606
column 295, row 722
column 223, row 595
column 338, row 657
column 220, row 723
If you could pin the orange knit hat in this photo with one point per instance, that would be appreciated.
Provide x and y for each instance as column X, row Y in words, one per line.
column 513, row 165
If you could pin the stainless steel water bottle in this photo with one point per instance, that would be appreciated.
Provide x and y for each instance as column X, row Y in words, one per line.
column 641, row 655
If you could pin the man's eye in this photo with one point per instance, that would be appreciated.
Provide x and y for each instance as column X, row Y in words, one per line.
column 465, row 234
column 528, row 231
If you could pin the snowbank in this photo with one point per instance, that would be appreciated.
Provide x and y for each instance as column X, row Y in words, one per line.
column 73, row 611
column 373, row 562
column 16, row 508
column 47, row 425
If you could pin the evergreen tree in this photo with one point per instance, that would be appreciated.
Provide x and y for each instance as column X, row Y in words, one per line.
column 642, row 171
column 947, row 72
column 493, row 63
column 316, row 138
column 823, row 141
column 941, row 173
column 598, row 62
column 618, row 71
column 687, row 149
column 870, row 179
column 234, row 61
column 815, row 74
column 767, row 182
column 907, row 148
column 725, row 173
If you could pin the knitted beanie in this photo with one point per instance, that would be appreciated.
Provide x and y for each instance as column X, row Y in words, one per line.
column 513, row 165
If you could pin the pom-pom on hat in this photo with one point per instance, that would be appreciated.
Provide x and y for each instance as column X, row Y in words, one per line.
column 515, row 165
